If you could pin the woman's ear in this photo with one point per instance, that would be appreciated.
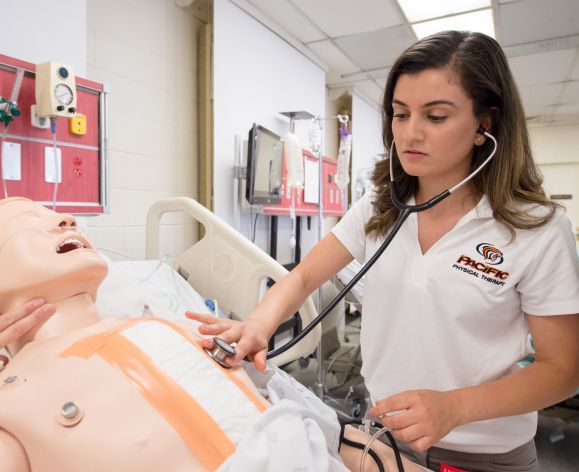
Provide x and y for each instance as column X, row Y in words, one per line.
column 485, row 124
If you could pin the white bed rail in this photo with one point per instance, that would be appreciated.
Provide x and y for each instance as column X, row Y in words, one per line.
column 227, row 267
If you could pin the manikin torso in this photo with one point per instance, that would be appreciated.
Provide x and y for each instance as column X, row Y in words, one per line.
column 119, row 430
column 133, row 415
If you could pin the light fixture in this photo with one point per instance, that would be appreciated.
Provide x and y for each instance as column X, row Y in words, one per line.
column 480, row 21
column 420, row 10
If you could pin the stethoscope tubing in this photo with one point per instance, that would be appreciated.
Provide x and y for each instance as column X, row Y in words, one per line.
column 405, row 211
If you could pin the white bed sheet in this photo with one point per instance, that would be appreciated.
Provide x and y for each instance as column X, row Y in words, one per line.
column 141, row 288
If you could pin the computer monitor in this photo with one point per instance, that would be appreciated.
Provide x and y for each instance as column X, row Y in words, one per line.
column 264, row 166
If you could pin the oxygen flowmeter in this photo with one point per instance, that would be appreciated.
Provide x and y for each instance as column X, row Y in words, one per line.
column 55, row 90
column 8, row 108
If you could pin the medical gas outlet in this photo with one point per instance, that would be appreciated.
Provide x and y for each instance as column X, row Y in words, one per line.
column 77, row 124
column 55, row 90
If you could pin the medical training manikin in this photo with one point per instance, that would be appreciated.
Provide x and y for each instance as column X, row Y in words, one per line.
column 81, row 393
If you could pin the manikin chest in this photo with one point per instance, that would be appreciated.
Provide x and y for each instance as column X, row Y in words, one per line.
column 73, row 410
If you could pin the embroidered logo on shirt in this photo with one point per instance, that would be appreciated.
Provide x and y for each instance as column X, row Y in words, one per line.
column 492, row 255
column 480, row 270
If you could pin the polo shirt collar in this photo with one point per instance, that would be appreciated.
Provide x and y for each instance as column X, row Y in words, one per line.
column 482, row 209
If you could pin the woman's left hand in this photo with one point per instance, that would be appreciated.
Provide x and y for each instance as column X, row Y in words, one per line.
column 420, row 418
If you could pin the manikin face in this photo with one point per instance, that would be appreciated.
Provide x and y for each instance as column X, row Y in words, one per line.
column 434, row 125
column 43, row 255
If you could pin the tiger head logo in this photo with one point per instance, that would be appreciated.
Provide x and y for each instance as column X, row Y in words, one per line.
column 491, row 254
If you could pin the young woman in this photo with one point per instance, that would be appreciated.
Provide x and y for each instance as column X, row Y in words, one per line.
column 449, row 306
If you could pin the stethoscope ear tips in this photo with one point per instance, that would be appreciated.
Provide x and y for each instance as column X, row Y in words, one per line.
column 481, row 129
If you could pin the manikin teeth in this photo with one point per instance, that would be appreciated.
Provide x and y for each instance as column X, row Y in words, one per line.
column 68, row 245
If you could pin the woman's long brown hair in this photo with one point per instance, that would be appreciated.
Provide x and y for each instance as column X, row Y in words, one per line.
column 512, row 176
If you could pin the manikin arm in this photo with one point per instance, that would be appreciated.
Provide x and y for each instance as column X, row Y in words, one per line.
column 12, row 455
column 352, row 457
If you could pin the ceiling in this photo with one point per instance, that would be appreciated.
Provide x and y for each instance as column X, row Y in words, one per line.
column 355, row 42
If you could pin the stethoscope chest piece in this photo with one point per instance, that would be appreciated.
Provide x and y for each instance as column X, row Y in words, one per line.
column 220, row 352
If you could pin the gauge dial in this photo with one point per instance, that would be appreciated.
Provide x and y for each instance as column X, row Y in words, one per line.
column 63, row 94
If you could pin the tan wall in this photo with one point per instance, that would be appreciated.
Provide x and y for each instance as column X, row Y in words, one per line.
column 556, row 150
column 145, row 51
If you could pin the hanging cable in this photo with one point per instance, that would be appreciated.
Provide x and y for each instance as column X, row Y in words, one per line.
column 254, row 227
column 357, row 445
column 366, row 423
column 2, row 139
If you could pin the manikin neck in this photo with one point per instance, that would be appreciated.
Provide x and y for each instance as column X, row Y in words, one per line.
column 70, row 314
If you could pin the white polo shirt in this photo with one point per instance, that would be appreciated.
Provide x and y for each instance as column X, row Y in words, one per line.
column 453, row 317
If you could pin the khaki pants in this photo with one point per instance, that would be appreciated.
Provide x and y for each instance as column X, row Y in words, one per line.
column 520, row 459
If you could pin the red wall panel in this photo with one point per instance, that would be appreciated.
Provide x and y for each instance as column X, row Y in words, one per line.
column 82, row 156
column 331, row 194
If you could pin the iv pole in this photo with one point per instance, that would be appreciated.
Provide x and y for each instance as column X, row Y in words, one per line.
column 320, row 377
column 319, row 152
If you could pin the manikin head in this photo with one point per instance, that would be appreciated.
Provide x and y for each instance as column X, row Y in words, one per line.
column 42, row 254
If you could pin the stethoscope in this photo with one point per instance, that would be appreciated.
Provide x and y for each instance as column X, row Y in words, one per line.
column 223, row 350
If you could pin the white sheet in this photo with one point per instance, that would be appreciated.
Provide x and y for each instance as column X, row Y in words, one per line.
column 299, row 432
column 136, row 288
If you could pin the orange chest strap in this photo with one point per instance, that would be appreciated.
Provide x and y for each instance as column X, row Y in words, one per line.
column 201, row 433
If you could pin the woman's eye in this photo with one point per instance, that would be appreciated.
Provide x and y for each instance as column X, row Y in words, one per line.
column 436, row 118
column 400, row 116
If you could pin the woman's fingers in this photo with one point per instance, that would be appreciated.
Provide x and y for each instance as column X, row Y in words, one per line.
column 202, row 317
column 409, row 434
column 250, row 341
column 16, row 323
column 252, row 345
column 11, row 317
column 215, row 328
column 259, row 359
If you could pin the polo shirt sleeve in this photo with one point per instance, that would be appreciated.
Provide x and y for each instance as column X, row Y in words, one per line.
column 550, row 285
column 350, row 230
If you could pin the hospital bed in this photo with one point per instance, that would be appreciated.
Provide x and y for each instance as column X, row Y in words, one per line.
column 226, row 267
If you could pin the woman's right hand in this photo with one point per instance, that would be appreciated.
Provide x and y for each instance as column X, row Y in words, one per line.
column 17, row 322
column 250, row 335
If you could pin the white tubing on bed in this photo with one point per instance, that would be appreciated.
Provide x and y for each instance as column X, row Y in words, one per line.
column 198, row 375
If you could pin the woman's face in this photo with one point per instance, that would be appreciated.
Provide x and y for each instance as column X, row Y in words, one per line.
column 434, row 125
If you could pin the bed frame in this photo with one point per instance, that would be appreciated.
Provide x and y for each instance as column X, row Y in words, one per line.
column 227, row 267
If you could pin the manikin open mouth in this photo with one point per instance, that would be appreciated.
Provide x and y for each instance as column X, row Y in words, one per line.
column 68, row 245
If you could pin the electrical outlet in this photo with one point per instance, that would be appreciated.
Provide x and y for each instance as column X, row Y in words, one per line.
column 37, row 121
column 11, row 163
